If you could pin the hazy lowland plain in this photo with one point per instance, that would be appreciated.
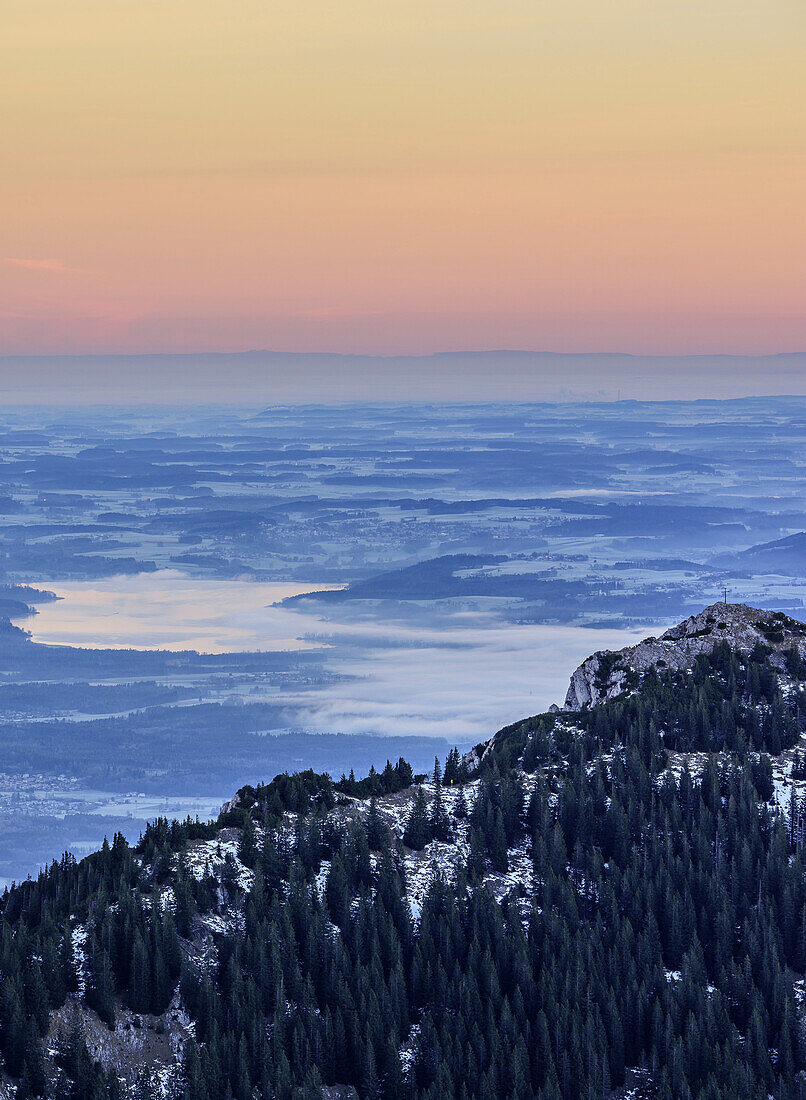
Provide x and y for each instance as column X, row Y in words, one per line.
column 194, row 599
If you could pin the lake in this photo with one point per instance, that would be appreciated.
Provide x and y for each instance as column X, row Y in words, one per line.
column 449, row 670
column 169, row 610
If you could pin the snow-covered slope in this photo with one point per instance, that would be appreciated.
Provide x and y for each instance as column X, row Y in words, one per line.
column 149, row 1049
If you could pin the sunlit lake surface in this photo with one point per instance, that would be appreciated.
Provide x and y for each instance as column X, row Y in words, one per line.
column 456, row 672
column 168, row 610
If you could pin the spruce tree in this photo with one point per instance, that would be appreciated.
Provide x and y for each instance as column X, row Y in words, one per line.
column 417, row 832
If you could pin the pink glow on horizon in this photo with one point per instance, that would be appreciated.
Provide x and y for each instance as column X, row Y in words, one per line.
column 202, row 176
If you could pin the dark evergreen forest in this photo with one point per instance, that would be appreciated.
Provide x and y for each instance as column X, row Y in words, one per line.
column 664, row 928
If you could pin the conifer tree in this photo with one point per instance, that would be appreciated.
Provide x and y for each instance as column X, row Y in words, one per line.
column 417, row 832
column 439, row 824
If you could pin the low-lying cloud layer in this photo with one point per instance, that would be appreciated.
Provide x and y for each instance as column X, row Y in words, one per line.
column 462, row 683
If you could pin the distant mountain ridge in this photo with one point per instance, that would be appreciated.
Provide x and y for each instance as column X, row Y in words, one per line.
column 276, row 377
column 786, row 556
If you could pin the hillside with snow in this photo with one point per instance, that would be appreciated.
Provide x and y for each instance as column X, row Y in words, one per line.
column 602, row 900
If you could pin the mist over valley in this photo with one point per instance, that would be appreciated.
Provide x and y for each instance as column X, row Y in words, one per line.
column 196, row 598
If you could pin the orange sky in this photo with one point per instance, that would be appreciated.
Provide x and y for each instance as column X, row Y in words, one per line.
column 402, row 176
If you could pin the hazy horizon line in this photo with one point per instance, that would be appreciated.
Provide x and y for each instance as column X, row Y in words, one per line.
column 336, row 378
column 542, row 352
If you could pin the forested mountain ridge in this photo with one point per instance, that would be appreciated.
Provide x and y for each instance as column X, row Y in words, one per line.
column 598, row 902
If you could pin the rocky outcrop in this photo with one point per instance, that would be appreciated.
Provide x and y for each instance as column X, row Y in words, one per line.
column 607, row 674
column 233, row 804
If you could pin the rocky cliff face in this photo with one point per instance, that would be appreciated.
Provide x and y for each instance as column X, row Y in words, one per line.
column 607, row 674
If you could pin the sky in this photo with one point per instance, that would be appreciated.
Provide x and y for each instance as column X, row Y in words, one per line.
column 402, row 177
